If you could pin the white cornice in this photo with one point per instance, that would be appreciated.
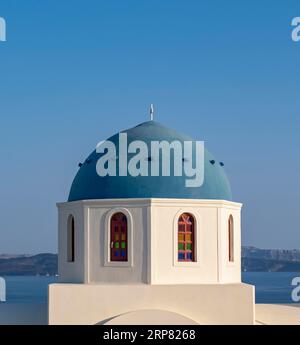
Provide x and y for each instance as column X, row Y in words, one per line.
column 151, row 201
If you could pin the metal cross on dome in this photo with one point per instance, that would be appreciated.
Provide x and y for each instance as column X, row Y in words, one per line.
column 151, row 112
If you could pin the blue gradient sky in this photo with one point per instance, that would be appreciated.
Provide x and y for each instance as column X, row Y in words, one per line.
column 74, row 72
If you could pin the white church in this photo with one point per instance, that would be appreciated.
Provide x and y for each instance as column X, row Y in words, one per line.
column 149, row 249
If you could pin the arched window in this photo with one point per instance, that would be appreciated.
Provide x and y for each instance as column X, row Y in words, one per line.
column 230, row 239
column 71, row 239
column 186, row 237
column 118, row 237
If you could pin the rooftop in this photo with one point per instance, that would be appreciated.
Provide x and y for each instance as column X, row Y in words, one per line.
column 88, row 184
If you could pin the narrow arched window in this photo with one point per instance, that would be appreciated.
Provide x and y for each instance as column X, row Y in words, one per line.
column 118, row 237
column 230, row 239
column 186, row 237
column 71, row 239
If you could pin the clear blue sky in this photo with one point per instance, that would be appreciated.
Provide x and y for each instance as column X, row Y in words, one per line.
column 74, row 72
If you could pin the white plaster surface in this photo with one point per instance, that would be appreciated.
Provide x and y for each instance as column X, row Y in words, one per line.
column 204, row 304
column 277, row 314
column 150, row 317
column 36, row 314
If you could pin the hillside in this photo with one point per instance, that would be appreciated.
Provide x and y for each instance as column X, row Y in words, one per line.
column 263, row 265
column 271, row 254
column 270, row 260
column 42, row 264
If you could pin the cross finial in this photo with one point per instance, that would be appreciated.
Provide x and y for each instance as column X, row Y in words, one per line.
column 151, row 112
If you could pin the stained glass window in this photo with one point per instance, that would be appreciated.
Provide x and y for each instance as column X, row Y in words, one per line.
column 186, row 235
column 118, row 237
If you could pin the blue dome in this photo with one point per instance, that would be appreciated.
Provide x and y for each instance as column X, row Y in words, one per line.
column 88, row 184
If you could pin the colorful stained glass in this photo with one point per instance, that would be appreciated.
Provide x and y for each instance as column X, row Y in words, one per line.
column 180, row 237
column 118, row 237
column 181, row 246
column 181, row 228
column 180, row 256
column 188, row 237
column 189, row 246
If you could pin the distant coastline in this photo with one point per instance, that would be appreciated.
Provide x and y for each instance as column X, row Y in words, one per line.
column 270, row 260
column 253, row 260
column 44, row 264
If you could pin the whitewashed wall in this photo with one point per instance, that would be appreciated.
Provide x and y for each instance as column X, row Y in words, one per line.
column 152, row 225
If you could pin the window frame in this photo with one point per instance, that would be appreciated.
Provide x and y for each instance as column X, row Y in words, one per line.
column 198, row 246
column 230, row 240
column 107, row 239
column 71, row 243
column 185, row 242
column 118, row 228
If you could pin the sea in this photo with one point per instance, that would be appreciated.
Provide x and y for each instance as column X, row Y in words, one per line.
column 270, row 287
